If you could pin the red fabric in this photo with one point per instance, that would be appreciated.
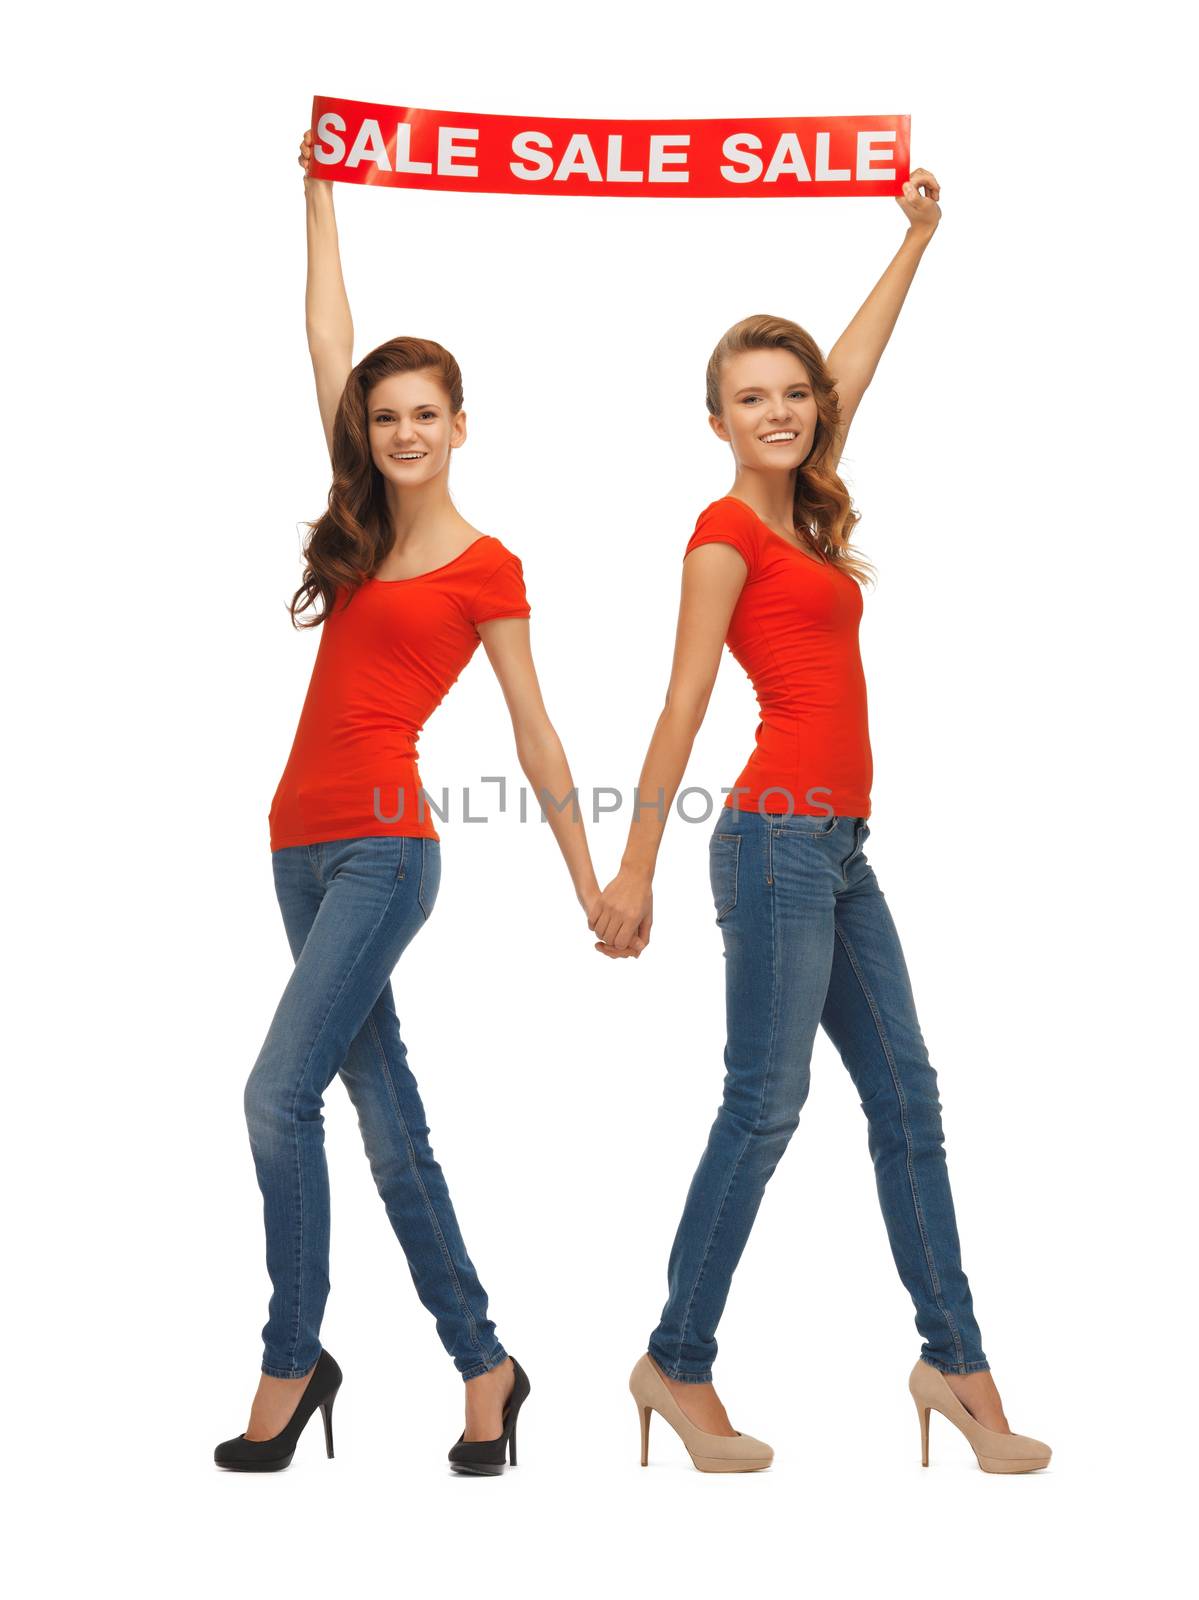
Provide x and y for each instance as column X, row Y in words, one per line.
column 794, row 630
column 384, row 663
column 358, row 141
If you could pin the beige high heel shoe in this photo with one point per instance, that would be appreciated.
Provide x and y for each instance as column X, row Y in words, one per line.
column 710, row 1452
column 996, row 1452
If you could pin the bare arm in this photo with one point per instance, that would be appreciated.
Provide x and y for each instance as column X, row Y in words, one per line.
column 538, row 748
column 326, row 304
column 713, row 577
column 852, row 361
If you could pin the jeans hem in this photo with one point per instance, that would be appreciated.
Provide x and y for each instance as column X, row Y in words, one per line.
column 679, row 1374
column 480, row 1368
column 289, row 1372
column 960, row 1367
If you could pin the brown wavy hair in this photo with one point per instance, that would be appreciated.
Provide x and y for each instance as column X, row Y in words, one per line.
column 822, row 513
column 347, row 543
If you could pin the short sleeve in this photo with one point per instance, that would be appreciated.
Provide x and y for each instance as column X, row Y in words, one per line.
column 502, row 594
column 727, row 522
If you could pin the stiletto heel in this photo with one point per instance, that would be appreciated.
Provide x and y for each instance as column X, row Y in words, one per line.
column 922, row 1413
column 485, row 1457
column 709, row 1452
column 272, row 1455
column 995, row 1452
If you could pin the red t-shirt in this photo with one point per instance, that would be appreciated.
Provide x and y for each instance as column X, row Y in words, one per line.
column 794, row 629
column 384, row 663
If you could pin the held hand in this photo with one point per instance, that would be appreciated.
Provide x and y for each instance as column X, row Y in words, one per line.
column 921, row 209
column 605, row 949
column 623, row 915
column 638, row 944
column 591, row 899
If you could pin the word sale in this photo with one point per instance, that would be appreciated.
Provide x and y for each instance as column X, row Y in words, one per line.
column 420, row 149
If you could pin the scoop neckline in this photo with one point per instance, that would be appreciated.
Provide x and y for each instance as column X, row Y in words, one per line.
column 417, row 576
column 818, row 561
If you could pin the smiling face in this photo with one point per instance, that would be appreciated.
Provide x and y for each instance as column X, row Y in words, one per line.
column 769, row 410
column 410, row 427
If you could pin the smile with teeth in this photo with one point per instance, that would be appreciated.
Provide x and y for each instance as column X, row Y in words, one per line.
column 408, row 455
column 778, row 438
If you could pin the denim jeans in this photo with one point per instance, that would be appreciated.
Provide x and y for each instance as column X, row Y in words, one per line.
column 809, row 940
column 350, row 908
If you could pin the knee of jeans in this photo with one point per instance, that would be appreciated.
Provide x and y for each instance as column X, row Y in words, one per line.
column 923, row 1101
column 763, row 1123
column 775, row 1121
column 779, row 1127
column 265, row 1105
column 781, row 1109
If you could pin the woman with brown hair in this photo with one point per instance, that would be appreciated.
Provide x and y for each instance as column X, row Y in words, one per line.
column 406, row 590
column 808, row 937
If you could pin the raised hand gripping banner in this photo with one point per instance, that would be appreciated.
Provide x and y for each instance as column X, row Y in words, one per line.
column 355, row 141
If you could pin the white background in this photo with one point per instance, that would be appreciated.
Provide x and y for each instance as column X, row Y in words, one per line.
column 1020, row 465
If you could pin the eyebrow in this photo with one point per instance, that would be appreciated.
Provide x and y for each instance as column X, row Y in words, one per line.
column 800, row 383
column 428, row 405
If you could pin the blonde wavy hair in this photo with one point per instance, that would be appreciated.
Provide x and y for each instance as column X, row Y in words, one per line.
column 822, row 513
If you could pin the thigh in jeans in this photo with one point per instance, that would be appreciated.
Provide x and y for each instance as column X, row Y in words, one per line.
column 376, row 1074
column 350, row 907
column 367, row 909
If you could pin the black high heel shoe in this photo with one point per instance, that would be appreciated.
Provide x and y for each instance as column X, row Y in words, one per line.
column 486, row 1456
column 271, row 1455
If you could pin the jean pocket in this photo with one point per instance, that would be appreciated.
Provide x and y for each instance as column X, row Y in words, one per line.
column 819, row 824
column 391, row 847
column 811, row 825
column 430, row 876
column 724, row 860
column 860, row 831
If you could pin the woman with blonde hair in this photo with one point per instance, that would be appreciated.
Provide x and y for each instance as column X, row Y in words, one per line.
column 406, row 588
column 808, row 937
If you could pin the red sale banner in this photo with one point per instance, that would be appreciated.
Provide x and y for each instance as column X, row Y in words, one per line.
column 355, row 141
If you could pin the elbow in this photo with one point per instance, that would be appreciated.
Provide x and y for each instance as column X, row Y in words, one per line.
column 337, row 340
column 684, row 713
column 536, row 742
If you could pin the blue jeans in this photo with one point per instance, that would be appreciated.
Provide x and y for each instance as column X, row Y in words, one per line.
column 350, row 907
column 809, row 940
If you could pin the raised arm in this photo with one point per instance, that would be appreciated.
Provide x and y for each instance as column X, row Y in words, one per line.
column 855, row 356
column 326, row 305
column 713, row 577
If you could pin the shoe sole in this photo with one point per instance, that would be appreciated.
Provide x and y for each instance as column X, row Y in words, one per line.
column 257, row 1466
column 721, row 1464
column 1021, row 1464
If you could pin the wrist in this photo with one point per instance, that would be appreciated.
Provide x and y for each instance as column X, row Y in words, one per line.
column 642, row 871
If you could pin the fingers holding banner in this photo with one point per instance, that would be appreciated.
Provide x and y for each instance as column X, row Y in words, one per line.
column 398, row 146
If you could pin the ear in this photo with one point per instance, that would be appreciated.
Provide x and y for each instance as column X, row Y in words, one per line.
column 719, row 429
column 458, row 430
